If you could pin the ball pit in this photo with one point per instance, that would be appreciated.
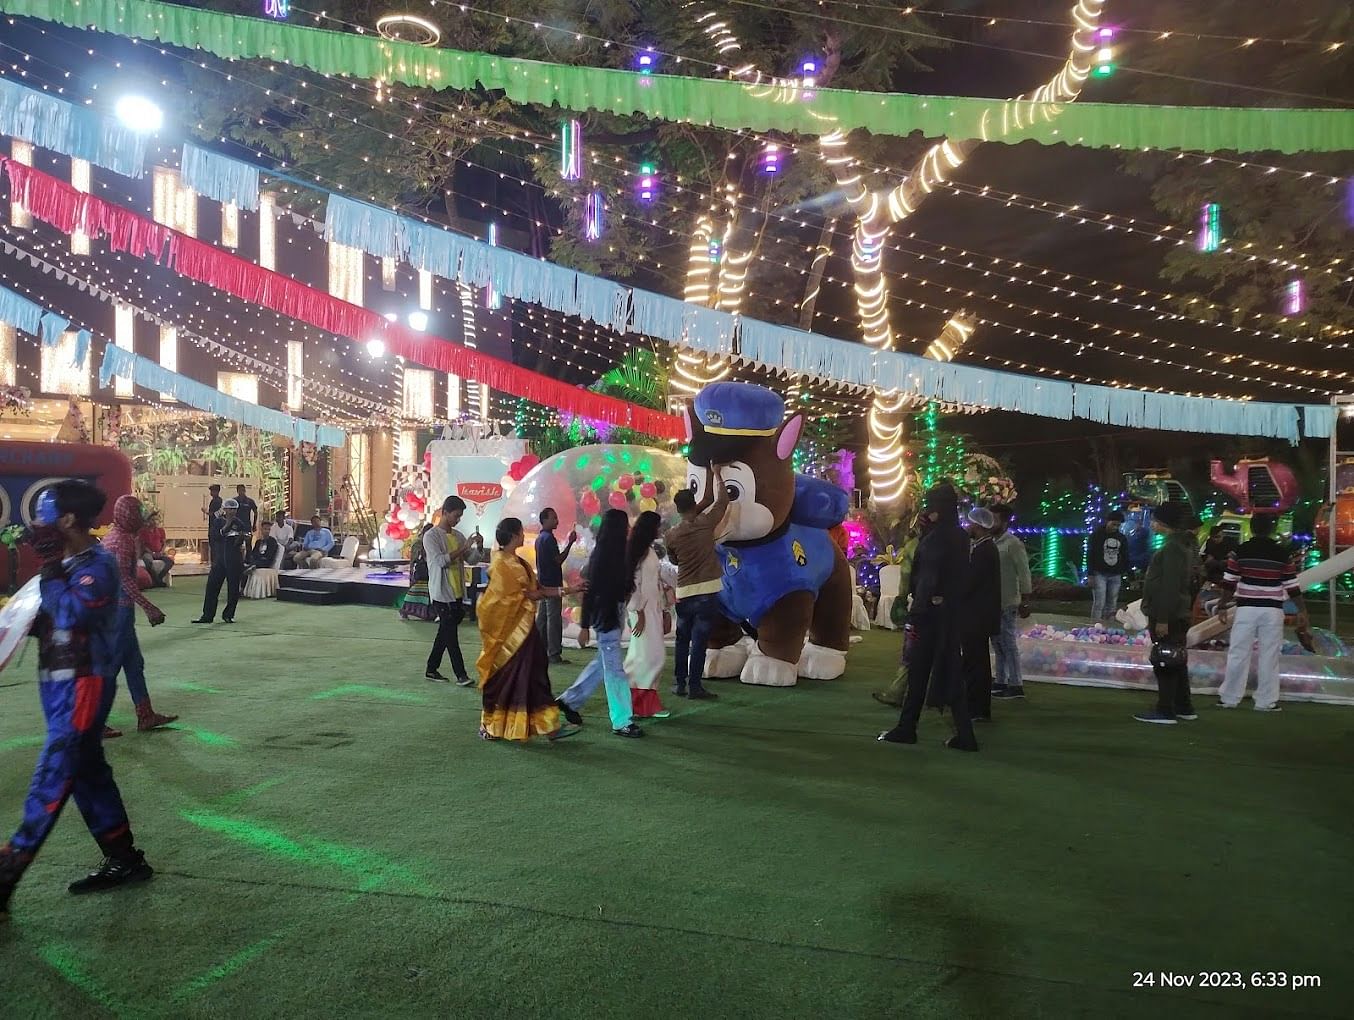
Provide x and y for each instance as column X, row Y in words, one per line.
column 1099, row 656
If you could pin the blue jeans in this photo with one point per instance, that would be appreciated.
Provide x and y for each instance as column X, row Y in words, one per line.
column 130, row 660
column 1104, row 595
column 1008, row 652
column 696, row 616
column 608, row 666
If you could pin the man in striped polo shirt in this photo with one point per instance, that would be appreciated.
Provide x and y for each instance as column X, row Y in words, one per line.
column 1260, row 575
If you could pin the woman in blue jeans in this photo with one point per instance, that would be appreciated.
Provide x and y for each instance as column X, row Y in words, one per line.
column 611, row 582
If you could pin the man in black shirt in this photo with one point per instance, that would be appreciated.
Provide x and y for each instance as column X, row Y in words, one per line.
column 213, row 508
column 1106, row 564
column 248, row 511
column 550, row 574
column 226, row 540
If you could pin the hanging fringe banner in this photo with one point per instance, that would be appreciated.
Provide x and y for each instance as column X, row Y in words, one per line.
column 120, row 363
column 220, row 177
column 73, row 130
column 19, row 312
column 714, row 101
column 57, row 203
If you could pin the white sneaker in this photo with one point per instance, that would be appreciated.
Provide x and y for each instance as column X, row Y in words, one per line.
column 1268, row 708
column 1223, row 704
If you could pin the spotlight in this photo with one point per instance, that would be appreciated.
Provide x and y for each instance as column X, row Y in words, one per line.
column 418, row 321
column 139, row 114
column 391, row 317
column 376, row 348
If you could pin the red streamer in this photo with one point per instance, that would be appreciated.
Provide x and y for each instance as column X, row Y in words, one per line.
column 57, row 203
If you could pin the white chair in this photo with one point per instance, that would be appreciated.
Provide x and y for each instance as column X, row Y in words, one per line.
column 347, row 556
column 262, row 582
column 860, row 616
column 890, row 578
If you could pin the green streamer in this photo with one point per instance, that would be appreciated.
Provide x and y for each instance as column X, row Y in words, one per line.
column 719, row 102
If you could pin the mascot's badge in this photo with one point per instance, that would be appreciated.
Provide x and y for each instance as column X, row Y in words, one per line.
column 797, row 551
column 733, row 563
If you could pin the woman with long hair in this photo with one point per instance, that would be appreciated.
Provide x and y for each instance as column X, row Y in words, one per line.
column 645, row 657
column 611, row 582
column 513, row 664
column 417, row 604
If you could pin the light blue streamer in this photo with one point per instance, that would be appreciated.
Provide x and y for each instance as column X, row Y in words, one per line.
column 71, row 130
column 19, row 312
column 220, row 177
column 120, row 362
column 53, row 326
column 363, row 226
column 1318, row 421
column 81, row 348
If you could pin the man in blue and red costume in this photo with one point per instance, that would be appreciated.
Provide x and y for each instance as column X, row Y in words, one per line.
column 77, row 662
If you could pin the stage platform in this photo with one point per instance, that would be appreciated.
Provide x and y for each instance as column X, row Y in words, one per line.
column 333, row 586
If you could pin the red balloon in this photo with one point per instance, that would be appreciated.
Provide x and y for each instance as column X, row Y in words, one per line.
column 625, row 483
column 617, row 500
column 590, row 503
column 648, row 490
column 529, row 461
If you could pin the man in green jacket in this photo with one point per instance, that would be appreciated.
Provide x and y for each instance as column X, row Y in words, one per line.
column 1167, row 595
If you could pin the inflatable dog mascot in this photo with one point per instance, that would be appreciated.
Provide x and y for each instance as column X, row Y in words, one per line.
column 784, row 577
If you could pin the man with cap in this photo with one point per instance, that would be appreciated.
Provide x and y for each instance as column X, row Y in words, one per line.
column 940, row 576
column 981, row 611
column 1167, row 598
column 226, row 539
column 1106, row 564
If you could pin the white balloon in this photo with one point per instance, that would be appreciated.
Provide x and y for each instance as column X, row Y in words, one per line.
column 409, row 518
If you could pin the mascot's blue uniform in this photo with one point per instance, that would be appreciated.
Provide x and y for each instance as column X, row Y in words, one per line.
column 797, row 556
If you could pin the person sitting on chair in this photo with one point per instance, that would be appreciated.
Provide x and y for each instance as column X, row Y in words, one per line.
column 263, row 553
column 154, row 558
column 315, row 545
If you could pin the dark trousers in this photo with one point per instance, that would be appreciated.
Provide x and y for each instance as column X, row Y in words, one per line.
column 1172, row 681
column 978, row 675
column 696, row 617
column 449, row 617
column 934, row 660
column 226, row 570
column 550, row 622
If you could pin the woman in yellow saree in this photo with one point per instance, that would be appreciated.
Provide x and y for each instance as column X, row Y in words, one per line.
column 514, row 663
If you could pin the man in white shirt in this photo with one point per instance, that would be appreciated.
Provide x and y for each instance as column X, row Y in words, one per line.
column 449, row 553
column 281, row 531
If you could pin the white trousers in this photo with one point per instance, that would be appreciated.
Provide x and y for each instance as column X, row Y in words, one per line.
column 1252, row 624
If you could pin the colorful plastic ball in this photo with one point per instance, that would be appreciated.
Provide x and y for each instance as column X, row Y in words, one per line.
column 648, row 504
column 648, row 490
column 625, row 483
column 617, row 500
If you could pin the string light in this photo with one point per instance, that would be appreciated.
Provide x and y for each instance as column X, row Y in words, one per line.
column 571, row 150
column 594, row 216
column 1210, row 230
column 1104, row 54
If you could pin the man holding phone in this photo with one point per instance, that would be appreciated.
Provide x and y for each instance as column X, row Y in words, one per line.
column 550, row 574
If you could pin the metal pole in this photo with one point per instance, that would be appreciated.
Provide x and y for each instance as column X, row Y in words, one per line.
column 1331, row 492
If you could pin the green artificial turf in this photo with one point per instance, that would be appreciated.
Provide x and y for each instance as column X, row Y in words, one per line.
column 331, row 838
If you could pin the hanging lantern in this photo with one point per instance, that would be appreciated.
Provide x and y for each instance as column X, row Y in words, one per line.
column 594, row 216
column 1104, row 56
column 1210, row 227
column 571, row 150
column 647, row 188
column 771, row 159
column 1294, row 298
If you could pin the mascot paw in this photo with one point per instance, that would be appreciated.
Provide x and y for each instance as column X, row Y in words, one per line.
column 764, row 671
column 727, row 662
column 819, row 663
column 1132, row 618
column 856, row 639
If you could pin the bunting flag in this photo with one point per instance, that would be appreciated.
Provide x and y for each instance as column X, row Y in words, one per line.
column 720, row 102
column 63, row 127
column 62, row 206
column 221, row 178
column 121, row 363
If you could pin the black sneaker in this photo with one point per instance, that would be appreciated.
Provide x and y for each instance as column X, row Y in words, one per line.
column 998, row 688
column 1008, row 693
column 203, row 619
column 464, row 681
column 883, row 698
column 435, row 676
column 679, row 692
column 701, row 694
column 1153, row 716
column 898, row 735
column 113, row 872
column 629, row 731
column 559, row 660
column 570, row 714
column 955, row 744
column 1189, row 715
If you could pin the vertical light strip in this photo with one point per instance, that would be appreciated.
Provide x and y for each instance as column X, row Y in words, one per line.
column 241, row 385
column 425, row 290
column 169, row 353
column 345, row 273
column 59, row 373
column 124, row 335
column 230, row 225
column 22, row 152
column 453, row 395
column 467, row 295
column 296, row 368
column 8, row 363
column 388, row 265
column 268, row 231
column 485, row 394
column 173, row 203
column 407, row 453
column 80, row 182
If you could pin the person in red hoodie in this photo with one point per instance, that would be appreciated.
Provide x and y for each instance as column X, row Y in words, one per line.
column 123, row 541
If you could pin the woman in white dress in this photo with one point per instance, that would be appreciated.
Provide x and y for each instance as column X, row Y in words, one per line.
column 646, row 655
